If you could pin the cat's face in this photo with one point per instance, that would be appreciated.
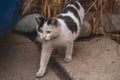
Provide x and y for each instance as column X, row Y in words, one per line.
column 48, row 29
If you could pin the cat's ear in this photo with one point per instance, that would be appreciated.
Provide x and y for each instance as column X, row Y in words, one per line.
column 54, row 21
column 39, row 20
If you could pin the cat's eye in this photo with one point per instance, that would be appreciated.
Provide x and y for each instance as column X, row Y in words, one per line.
column 48, row 32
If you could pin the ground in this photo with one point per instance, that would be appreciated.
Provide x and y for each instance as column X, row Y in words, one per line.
column 95, row 59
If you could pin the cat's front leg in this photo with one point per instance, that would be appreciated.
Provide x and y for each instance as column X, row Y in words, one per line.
column 45, row 55
column 69, row 51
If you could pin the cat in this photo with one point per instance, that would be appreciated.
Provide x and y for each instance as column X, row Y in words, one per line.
column 61, row 30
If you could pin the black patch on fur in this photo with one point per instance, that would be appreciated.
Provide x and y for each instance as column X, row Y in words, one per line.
column 49, row 21
column 73, row 10
column 72, row 26
column 52, row 21
column 73, row 3
column 43, row 20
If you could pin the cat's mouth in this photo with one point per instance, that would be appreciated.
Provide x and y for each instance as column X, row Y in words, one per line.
column 49, row 39
column 45, row 39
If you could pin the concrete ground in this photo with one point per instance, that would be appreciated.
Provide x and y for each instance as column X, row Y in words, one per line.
column 19, row 59
column 96, row 59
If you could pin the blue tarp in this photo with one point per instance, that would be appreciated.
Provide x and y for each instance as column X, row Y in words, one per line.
column 8, row 14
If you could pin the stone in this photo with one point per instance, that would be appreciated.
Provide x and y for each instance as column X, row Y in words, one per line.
column 111, row 23
column 27, row 24
column 86, row 29
column 96, row 59
column 19, row 59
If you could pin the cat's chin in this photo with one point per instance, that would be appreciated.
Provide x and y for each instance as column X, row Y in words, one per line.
column 46, row 40
column 49, row 39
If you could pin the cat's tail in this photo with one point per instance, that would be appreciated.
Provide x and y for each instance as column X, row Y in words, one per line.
column 27, row 24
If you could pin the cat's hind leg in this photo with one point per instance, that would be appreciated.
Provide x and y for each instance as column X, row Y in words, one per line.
column 68, row 52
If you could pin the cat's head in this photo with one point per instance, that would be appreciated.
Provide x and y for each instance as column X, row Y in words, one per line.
column 47, row 29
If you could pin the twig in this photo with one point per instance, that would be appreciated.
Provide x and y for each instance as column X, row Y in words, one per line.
column 116, row 26
column 27, row 7
column 108, row 34
column 101, row 14
column 90, row 7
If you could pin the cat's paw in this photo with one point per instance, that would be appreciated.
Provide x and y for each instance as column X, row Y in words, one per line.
column 40, row 73
column 67, row 59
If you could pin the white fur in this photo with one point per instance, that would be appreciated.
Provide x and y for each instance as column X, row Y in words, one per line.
column 64, row 38
column 81, row 12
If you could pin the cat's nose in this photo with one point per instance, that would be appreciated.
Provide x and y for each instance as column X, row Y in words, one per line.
column 44, row 37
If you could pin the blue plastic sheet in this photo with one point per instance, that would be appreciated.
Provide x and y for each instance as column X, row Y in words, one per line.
column 8, row 14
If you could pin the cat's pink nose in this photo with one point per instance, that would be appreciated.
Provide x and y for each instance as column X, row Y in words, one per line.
column 44, row 37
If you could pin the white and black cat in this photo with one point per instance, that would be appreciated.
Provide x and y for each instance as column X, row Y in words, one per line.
column 61, row 30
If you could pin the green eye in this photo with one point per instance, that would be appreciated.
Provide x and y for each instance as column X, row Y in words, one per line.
column 48, row 32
